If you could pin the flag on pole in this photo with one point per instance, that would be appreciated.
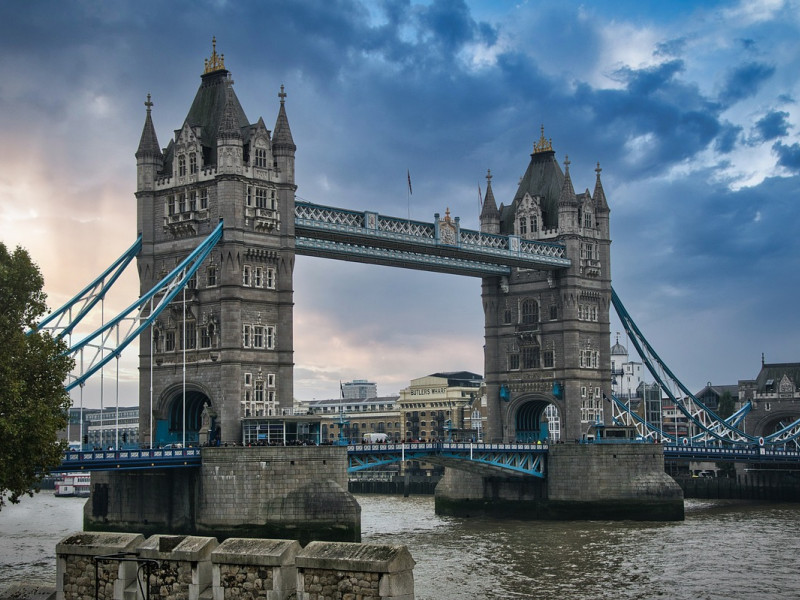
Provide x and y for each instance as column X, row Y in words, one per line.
column 409, row 181
column 480, row 195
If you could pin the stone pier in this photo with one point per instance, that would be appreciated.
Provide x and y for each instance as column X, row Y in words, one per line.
column 584, row 481
column 267, row 492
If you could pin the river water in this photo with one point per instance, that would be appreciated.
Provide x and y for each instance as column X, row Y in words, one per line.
column 722, row 550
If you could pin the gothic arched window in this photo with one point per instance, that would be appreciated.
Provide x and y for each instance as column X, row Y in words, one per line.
column 530, row 312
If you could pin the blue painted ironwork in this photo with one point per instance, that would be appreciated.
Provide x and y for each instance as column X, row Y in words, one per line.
column 708, row 426
column 525, row 459
column 106, row 343
column 62, row 322
column 126, row 460
column 623, row 415
column 342, row 234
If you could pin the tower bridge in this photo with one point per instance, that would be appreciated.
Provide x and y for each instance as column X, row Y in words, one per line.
column 219, row 356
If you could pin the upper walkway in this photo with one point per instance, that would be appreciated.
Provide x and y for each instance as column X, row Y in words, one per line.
column 519, row 459
column 441, row 246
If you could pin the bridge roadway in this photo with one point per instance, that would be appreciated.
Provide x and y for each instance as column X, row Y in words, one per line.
column 510, row 459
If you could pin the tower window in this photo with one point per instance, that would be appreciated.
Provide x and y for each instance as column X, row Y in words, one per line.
column 258, row 277
column 246, row 281
column 181, row 165
column 530, row 358
column 523, row 226
column 548, row 359
column 204, row 199
column 261, row 158
column 530, row 312
column 211, row 276
column 270, row 278
column 193, row 163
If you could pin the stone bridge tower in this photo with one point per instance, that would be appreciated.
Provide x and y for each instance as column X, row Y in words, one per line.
column 547, row 332
column 236, row 329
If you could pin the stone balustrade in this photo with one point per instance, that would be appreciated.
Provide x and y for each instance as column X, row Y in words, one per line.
column 126, row 566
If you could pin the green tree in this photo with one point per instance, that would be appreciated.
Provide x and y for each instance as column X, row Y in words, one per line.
column 34, row 405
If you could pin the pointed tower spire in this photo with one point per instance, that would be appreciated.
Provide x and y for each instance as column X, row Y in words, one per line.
column 229, row 125
column 490, row 216
column 567, row 195
column 148, row 144
column 599, row 195
column 282, row 138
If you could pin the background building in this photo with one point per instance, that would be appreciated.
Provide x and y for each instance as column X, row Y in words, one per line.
column 359, row 388
column 443, row 406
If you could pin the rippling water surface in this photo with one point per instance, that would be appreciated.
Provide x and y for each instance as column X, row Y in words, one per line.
column 721, row 551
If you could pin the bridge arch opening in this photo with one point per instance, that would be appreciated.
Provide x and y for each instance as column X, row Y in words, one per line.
column 535, row 420
column 775, row 423
column 198, row 417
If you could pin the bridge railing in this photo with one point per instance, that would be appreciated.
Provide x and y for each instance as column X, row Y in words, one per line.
column 328, row 218
column 439, row 446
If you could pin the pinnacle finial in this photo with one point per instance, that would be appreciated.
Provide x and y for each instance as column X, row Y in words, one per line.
column 282, row 95
column 148, row 104
column 217, row 61
column 598, row 169
column 543, row 145
column 488, row 175
column 566, row 162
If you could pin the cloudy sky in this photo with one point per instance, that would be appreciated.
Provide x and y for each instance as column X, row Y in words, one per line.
column 690, row 109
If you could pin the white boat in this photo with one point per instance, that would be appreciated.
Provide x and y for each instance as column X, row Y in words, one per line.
column 74, row 484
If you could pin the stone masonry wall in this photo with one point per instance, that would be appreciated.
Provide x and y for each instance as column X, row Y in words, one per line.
column 242, row 568
column 279, row 492
column 321, row 584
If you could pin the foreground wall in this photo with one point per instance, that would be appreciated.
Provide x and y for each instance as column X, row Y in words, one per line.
column 584, row 481
column 167, row 567
column 271, row 492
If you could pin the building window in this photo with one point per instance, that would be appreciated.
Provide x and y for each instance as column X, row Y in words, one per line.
column 248, row 379
column 259, row 397
column 534, row 224
column 589, row 359
column 249, row 200
column 587, row 219
column 523, row 226
column 191, row 336
column 192, row 201
column 182, row 202
column 271, row 380
column 246, row 281
column 192, row 283
column 270, row 337
column 181, row 165
column 205, row 337
column 549, row 359
column 204, row 199
column 193, row 163
column 169, row 342
column 530, row 312
column 270, row 278
column 211, row 276
column 170, row 206
column 258, row 277
column 553, row 312
column 530, row 357
column 507, row 315
column 258, row 336
column 261, row 198
column 261, row 158
column 246, row 336
column 513, row 362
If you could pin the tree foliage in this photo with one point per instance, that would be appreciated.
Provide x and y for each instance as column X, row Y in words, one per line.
column 33, row 402
column 727, row 404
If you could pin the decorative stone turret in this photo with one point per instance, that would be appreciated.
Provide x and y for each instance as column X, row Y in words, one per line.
column 490, row 216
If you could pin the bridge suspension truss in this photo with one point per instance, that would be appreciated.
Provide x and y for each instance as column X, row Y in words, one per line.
column 705, row 426
column 93, row 351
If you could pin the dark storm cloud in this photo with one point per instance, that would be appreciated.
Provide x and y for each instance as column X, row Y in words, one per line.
column 744, row 81
column 677, row 120
column 727, row 138
column 788, row 156
column 773, row 125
